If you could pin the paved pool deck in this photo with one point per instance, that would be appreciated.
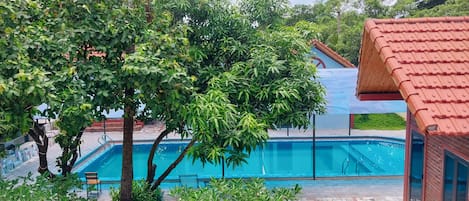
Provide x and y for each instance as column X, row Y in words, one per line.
column 385, row 189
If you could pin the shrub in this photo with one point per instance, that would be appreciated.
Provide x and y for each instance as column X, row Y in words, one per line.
column 40, row 188
column 140, row 192
column 236, row 189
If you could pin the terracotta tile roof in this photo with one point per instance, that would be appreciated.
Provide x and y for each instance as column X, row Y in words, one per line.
column 427, row 61
column 332, row 54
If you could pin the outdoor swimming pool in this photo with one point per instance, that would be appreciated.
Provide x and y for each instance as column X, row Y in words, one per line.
column 276, row 159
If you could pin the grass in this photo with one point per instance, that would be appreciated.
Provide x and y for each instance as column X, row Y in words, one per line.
column 389, row 121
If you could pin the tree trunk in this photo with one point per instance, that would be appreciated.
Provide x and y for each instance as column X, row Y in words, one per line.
column 338, row 23
column 148, row 13
column 69, row 161
column 173, row 165
column 127, row 166
column 38, row 133
column 150, row 165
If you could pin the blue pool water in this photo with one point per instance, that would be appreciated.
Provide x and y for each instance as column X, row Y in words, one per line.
column 276, row 159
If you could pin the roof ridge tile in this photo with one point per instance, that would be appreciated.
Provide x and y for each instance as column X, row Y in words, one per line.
column 422, row 20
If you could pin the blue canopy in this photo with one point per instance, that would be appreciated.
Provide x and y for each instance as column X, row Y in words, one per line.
column 341, row 83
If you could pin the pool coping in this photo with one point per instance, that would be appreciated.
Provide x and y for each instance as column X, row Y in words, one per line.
column 91, row 156
column 335, row 178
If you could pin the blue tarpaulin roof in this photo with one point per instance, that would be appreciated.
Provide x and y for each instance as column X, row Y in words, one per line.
column 340, row 87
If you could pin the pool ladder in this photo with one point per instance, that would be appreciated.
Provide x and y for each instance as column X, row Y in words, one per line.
column 346, row 164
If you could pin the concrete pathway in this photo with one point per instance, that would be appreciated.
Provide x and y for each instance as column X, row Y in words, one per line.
column 318, row 190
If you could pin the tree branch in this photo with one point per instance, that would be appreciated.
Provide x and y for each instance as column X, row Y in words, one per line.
column 173, row 165
column 152, row 167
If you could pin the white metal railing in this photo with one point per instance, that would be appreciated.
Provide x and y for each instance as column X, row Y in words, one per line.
column 16, row 157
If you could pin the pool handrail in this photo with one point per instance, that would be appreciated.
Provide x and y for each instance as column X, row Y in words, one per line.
column 345, row 165
column 105, row 138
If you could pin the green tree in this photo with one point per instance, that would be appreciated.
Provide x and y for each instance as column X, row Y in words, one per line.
column 238, row 81
column 336, row 8
column 29, row 50
column 349, row 40
column 374, row 8
column 72, row 121
column 307, row 30
column 402, row 8
column 300, row 13
column 7, row 131
column 264, row 12
column 449, row 8
column 42, row 69
column 69, row 54
column 71, row 108
column 202, row 67
column 334, row 23
column 338, row 27
column 102, row 34
column 429, row 8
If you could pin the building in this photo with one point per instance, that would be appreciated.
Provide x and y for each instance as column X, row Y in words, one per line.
column 325, row 57
column 424, row 61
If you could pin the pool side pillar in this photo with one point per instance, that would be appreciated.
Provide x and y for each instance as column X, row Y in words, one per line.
column 223, row 168
column 314, row 147
column 350, row 124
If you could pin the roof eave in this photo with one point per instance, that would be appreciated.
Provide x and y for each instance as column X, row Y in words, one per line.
column 379, row 96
